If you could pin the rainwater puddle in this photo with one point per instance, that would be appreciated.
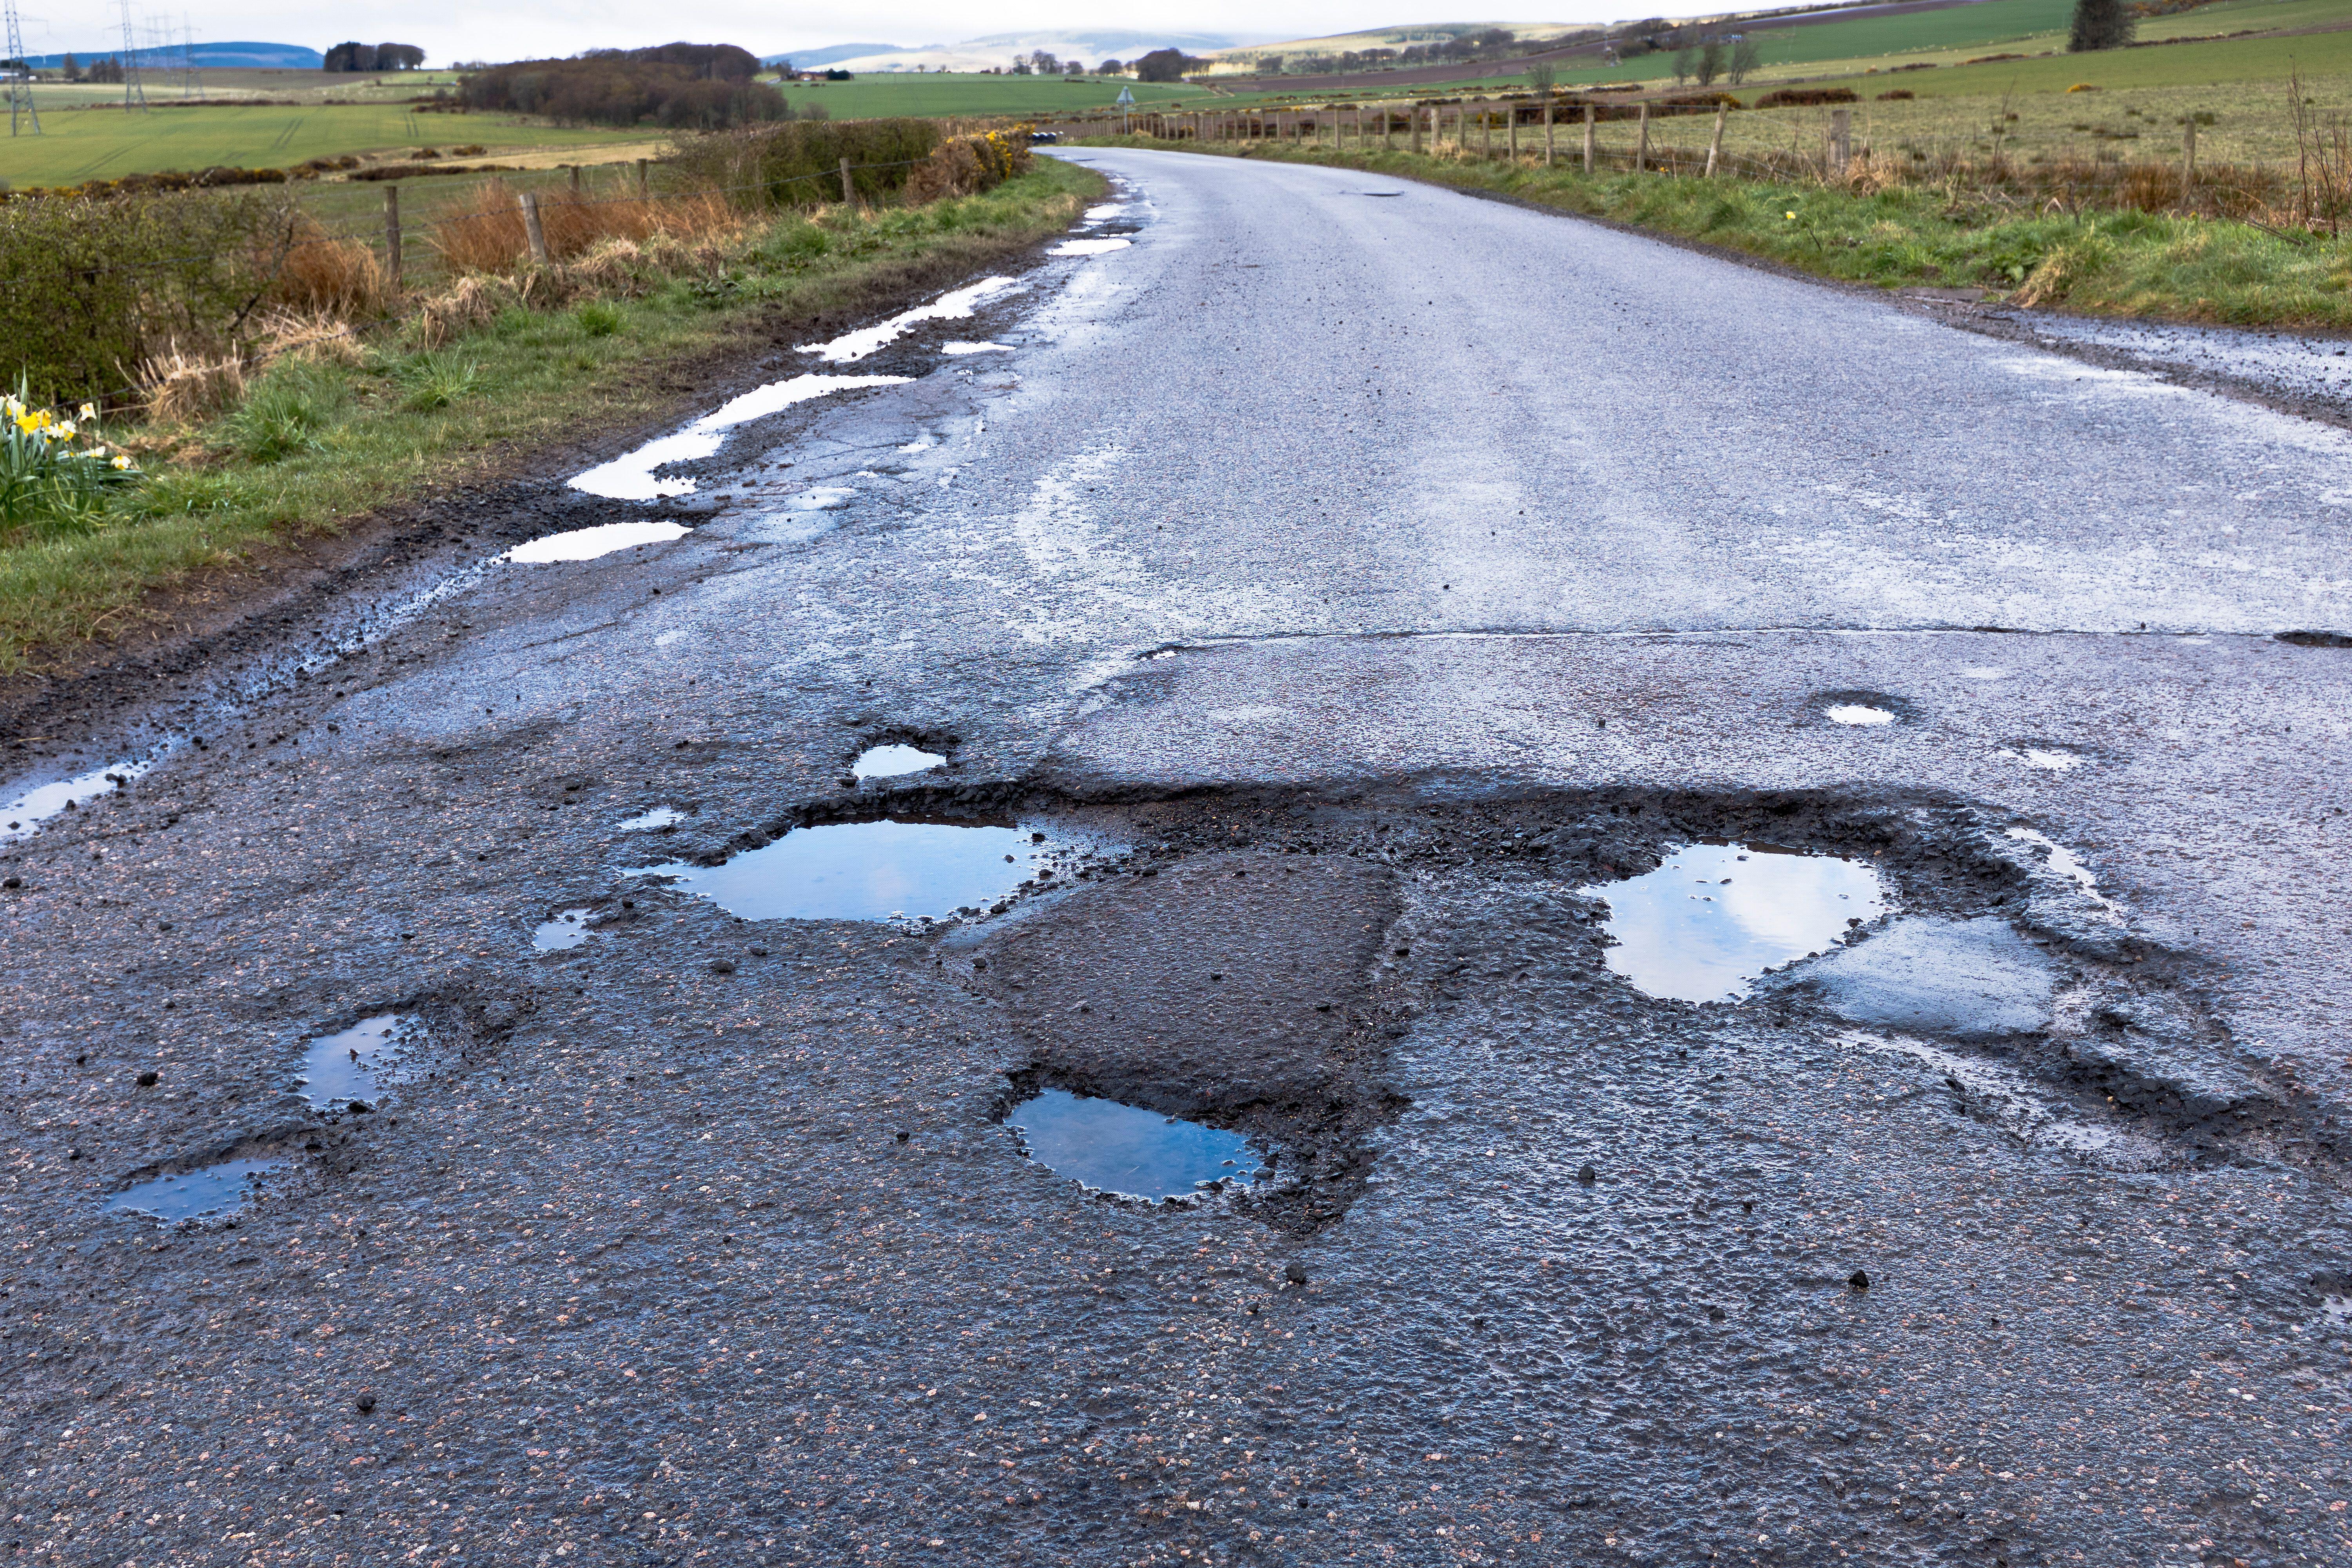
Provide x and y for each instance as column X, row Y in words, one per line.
column 587, row 544
column 659, row 816
column 632, row 478
column 821, row 498
column 1088, row 246
column 866, row 871
column 1106, row 212
column 352, row 1065
column 37, row 805
column 893, row 762
column 195, row 1194
column 1118, row 1148
column 960, row 348
column 1857, row 713
column 2048, row 762
column 566, row 930
column 953, row 307
column 1705, row 925
column 2064, row 862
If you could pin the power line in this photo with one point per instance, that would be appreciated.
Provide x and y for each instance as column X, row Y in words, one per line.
column 20, row 78
column 191, row 76
column 134, row 95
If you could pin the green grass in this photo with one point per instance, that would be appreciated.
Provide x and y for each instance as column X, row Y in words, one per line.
column 78, row 144
column 318, row 444
column 932, row 94
column 2126, row 264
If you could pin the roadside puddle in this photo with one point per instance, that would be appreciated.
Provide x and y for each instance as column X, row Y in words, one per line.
column 588, row 543
column 955, row 306
column 203, row 1193
column 894, row 762
column 1857, row 713
column 567, row 929
column 633, row 477
column 1122, row 1149
column 1088, row 246
column 867, row 871
column 1710, row 920
column 659, row 816
column 38, row 805
column 350, row 1066
column 963, row 348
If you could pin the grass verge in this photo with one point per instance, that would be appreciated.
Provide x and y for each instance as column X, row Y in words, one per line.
column 2098, row 263
column 321, row 444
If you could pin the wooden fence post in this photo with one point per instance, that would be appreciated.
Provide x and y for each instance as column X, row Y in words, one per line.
column 848, row 192
column 392, row 233
column 1547, row 131
column 1588, row 138
column 1486, row 134
column 641, row 179
column 531, row 228
column 1715, row 143
column 1514, row 124
column 1416, row 130
column 1642, row 140
column 1841, row 140
column 575, row 179
column 2188, row 156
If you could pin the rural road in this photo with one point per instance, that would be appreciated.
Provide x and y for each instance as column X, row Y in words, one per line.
column 1348, row 582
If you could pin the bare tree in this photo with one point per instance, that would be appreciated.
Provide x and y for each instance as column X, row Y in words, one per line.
column 1710, row 62
column 1746, row 54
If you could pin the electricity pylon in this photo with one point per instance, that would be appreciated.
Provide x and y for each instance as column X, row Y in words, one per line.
column 134, row 96
column 20, row 80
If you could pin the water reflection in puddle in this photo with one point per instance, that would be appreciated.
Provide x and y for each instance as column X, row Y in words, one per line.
column 1857, row 713
column 1120, row 1149
column 38, row 805
column 1088, row 246
column 567, row 930
column 659, row 816
column 961, row 348
column 195, row 1194
column 952, row 306
column 631, row 477
column 866, row 871
column 892, row 762
column 587, row 544
column 353, row 1064
column 1703, row 926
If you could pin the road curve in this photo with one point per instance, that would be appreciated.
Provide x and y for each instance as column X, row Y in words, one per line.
column 1352, row 582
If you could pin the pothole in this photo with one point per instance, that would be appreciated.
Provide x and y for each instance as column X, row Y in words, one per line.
column 1088, row 246
column 959, row 305
column 881, row 870
column 1714, row 918
column 588, row 543
column 894, row 762
column 646, row 822
column 1860, row 714
column 351, row 1067
column 565, row 930
column 207, row 1192
column 1131, row 1151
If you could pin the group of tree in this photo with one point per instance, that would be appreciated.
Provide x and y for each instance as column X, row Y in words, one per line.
column 2099, row 25
column 1044, row 62
column 701, row 86
column 1168, row 64
column 105, row 68
column 1709, row 58
column 374, row 58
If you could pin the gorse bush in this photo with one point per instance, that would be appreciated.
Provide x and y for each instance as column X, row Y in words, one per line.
column 55, row 474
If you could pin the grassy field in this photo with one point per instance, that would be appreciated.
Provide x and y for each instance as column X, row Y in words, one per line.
column 884, row 95
column 232, row 85
column 528, row 378
column 78, row 144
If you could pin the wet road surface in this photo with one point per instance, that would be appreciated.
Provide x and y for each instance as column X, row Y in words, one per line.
column 1320, row 602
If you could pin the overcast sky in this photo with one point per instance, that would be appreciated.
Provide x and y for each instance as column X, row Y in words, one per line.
column 511, row 29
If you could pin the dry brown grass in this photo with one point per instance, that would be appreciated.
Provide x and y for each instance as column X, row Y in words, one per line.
column 471, row 301
column 323, row 275
column 316, row 335
column 179, row 388
column 486, row 233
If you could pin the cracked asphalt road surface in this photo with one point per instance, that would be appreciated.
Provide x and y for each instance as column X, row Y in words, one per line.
column 1349, row 591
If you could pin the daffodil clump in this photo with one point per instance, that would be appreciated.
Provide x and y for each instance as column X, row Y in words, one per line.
column 56, row 472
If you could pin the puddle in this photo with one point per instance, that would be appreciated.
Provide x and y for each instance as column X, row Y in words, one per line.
column 1704, row 926
column 1118, row 1148
column 892, row 762
column 587, row 544
column 821, row 498
column 1106, row 211
column 566, row 930
column 953, row 307
column 2049, row 762
column 866, row 871
column 352, row 1065
column 2063, row 861
column 632, row 478
column 37, row 805
column 977, row 349
column 659, row 816
column 195, row 1194
column 1088, row 246
column 1857, row 713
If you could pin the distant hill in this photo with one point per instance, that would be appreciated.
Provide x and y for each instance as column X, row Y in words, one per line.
column 1092, row 45
column 809, row 59
column 242, row 54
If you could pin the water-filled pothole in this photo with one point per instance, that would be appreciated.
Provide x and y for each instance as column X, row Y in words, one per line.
column 1088, row 246
column 1705, row 924
column 1122, row 1149
column 566, row 929
column 646, row 822
column 350, row 1066
column 588, row 543
column 867, row 871
column 195, row 1194
column 954, row 307
column 1860, row 714
column 894, row 762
